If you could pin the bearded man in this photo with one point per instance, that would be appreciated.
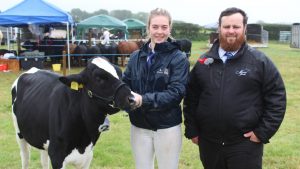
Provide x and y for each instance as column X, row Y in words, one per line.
column 235, row 100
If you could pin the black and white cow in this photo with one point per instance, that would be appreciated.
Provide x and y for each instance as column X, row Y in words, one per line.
column 185, row 46
column 61, row 115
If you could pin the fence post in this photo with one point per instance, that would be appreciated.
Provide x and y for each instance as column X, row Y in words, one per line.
column 64, row 63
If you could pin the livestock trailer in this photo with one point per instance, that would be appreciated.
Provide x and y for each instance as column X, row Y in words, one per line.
column 257, row 36
column 285, row 36
column 295, row 40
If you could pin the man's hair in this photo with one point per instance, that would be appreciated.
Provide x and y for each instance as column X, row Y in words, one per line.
column 233, row 10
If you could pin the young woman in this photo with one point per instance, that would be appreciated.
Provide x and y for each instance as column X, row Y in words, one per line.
column 157, row 75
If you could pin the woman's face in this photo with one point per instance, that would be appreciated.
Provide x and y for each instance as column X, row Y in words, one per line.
column 159, row 29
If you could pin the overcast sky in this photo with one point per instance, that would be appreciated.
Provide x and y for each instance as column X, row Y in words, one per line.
column 191, row 11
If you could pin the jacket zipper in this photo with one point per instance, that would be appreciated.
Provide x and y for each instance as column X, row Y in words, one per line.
column 147, row 79
column 222, row 72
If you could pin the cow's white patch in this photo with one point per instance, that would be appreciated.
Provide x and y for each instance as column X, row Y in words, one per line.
column 24, row 146
column 104, row 64
column 12, row 87
column 15, row 84
column 44, row 156
column 46, row 145
column 80, row 160
column 32, row 70
column 15, row 122
column 44, row 159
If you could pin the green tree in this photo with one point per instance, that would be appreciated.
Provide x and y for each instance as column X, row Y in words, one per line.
column 142, row 16
column 121, row 14
column 79, row 15
column 188, row 30
column 100, row 12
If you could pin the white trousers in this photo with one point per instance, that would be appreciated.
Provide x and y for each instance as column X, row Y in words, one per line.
column 164, row 144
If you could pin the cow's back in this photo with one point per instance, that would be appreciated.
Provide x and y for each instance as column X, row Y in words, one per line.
column 32, row 94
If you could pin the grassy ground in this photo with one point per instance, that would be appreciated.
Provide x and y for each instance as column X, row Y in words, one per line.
column 113, row 149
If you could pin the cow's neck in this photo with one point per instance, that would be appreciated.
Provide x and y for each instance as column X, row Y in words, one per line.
column 93, row 115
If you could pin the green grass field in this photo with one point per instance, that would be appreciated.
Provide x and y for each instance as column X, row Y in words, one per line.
column 113, row 148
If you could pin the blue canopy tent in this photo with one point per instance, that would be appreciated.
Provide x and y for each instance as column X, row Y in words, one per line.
column 36, row 12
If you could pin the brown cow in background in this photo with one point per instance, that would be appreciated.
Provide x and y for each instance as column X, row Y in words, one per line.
column 125, row 48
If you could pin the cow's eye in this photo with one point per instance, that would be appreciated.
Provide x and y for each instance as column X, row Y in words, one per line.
column 101, row 78
column 104, row 77
column 98, row 78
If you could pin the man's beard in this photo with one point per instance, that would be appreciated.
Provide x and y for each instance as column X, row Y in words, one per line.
column 231, row 46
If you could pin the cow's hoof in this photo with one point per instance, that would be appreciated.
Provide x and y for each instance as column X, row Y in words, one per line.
column 103, row 128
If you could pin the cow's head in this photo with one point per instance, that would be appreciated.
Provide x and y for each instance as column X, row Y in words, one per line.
column 101, row 82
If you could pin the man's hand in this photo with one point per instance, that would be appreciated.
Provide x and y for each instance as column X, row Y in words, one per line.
column 195, row 140
column 138, row 100
column 252, row 137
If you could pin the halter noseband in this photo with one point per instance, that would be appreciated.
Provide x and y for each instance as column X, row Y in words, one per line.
column 111, row 99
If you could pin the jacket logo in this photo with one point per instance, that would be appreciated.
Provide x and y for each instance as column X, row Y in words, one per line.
column 242, row 72
column 164, row 71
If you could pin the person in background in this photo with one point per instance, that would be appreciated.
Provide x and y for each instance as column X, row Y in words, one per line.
column 235, row 101
column 157, row 74
column 105, row 37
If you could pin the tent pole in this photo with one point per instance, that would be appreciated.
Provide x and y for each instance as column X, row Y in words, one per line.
column 72, row 35
column 7, row 35
column 68, row 44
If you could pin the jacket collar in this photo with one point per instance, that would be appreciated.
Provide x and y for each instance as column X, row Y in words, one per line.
column 163, row 47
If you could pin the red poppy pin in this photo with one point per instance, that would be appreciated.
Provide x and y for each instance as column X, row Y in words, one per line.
column 206, row 61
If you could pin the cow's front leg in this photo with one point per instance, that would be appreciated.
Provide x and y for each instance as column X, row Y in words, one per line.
column 105, row 126
column 87, row 162
column 44, row 159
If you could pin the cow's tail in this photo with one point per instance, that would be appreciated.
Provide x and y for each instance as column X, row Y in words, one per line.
column 14, row 92
column 13, row 95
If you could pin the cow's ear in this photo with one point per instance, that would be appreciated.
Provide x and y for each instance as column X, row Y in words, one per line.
column 75, row 81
